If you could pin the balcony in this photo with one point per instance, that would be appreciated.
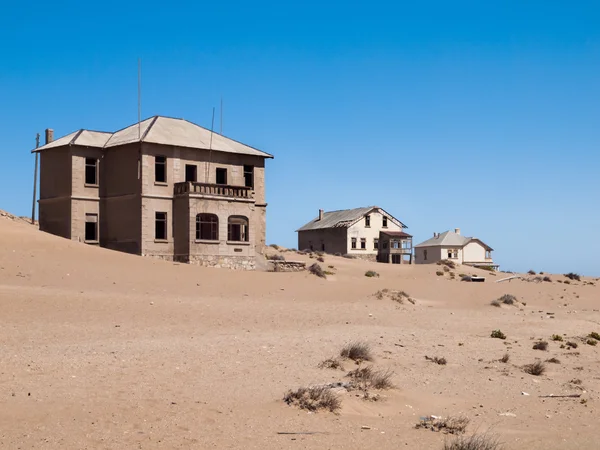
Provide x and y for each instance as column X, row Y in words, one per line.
column 213, row 190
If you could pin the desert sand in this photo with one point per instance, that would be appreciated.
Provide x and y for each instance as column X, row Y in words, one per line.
column 103, row 350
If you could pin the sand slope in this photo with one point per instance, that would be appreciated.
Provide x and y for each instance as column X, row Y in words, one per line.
column 107, row 350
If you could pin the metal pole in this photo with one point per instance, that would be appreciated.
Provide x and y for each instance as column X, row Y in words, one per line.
column 221, row 121
column 139, row 98
column 37, row 144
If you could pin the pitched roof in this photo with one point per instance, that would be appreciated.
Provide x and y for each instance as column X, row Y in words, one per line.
column 160, row 130
column 343, row 218
column 396, row 233
column 450, row 239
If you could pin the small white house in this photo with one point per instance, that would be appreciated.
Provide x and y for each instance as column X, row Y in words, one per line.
column 451, row 245
column 349, row 231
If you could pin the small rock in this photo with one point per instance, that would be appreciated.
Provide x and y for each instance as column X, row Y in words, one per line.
column 365, row 427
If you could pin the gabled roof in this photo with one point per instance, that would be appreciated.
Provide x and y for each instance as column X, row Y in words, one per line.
column 159, row 130
column 450, row 239
column 344, row 218
column 395, row 233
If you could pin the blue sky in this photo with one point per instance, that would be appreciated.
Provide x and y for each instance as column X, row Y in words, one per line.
column 477, row 115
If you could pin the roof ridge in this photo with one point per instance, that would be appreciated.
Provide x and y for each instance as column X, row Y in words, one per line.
column 154, row 119
column 72, row 141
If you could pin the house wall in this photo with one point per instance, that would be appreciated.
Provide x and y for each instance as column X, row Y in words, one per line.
column 474, row 252
column 434, row 254
column 334, row 240
column 79, row 208
column 55, row 192
column 360, row 230
column 55, row 216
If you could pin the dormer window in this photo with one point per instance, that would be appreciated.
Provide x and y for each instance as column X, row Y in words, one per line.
column 384, row 222
column 367, row 221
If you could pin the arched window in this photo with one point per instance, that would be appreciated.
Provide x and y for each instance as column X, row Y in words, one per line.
column 237, row 228
column 207, row 227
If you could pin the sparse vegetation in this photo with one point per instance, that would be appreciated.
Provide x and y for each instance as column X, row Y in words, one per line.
column 474, row 442
column 439, row 273
column 541, row 345
column 573, row 276
column 275, row 246
column 557, row 337
column 448, row 263
column 321, row 259
column 371, row 274
column 448, row 425
column 496, row 303
column 537, row 368
column 317, row 270
column 331, row 363
column 441, row 361
column 567, row 282
column 365, row 378
column 357, row 351
column 571, row 344
column 397, row 296
column 498, row 334
column 594, row 335
column 592, row 342
column 488, row 268
column 553, row 360
column 547, row 279
column 505, row 358
column 532, row 272
column 508, row 299
column 313, row 399
column 446, row 269
column 276, row 257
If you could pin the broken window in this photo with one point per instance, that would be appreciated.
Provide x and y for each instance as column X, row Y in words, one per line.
column 237, row 229
column 488, row 254
column 91, row 171
column 395, row 244
column 367, row 221
column 160, row 226
column 363, row 243
column 91, row 228
column 207, row 227
column 353, row 242
column 384, row 222
column 160, row 169
column 191, row 172
column 375, row 243
column 221, row 176
column 249, row 176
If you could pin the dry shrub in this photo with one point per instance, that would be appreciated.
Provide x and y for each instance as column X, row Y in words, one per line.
column 331, row 363
column 498, row 334
column 547, row 279
column 542, row 345
column 592, row 342
column 495, row 303
column 446, row 269
column 557, row 337
column 447, row 263
column 531, row 272
column 357, row 351
column 313, row 399
column 572, row 344
column 537, row 368
column 439, row 273
column 474, row 442
column 573, row 276
column 441, row 361
column 275, row 246
column 508, row 299
column 505, row 358
column 276, row 257
column 321, row 259
column 371, row 274
column 594, row 335
column 317, row 270
column 397, row 296
column 448, row 425
column 365, row 378
column 553, row 360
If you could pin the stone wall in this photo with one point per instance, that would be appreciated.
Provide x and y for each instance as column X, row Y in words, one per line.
column 228, row 262
column 288, row 266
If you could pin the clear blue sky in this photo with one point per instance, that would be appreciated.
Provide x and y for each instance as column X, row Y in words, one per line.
column 478, row 115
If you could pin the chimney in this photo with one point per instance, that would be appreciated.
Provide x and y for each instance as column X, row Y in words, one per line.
column 49, row 135
column 435, row 235
column 457, row 230
column 320, row 214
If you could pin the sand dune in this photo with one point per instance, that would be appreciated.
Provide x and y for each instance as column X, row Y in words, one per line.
column 107, row 350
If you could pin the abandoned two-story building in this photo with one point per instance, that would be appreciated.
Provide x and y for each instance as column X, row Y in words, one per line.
column 165, row 188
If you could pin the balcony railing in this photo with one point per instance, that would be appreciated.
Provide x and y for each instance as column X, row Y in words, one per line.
column 218, row 190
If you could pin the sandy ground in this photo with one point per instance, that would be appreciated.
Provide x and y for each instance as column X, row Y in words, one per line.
column 106, row 350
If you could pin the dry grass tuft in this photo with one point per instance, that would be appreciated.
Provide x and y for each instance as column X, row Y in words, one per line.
column 553, row 360
column 448, row 263
column 439, row 273
column 498, row 334
column 592, row 342
column 321, row 259
column 508, row 299
column 557, row 337
column 496, row 303
column 313, row 399
column 542, row 345
column 365, row 378
column 594, row 335
column 357, row 351
column 572, row 344
column 397, row 296
column 371, row 274
column 547, row 279
column 441, row 361
column 573, row 276
column 448, row 425
column 331, row 363
column 537, row 368
column 505, row 358
column 474, row 442
column 317, row 270
column 276, row 257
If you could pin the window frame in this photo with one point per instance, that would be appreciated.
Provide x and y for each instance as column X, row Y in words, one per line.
column 96, row 228
column 95, row 165
column 363, row 243
column 249, row 172
column 243, row 234
column 162, row 164
column 195, row 167
column 368, row 221
column 353, row 243
column 166, row 223
column 384, row 222
column 375, row 243
column 212, row 225
column 220, row 170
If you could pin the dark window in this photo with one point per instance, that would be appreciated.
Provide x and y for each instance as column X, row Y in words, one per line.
column 375, row 243
column 237, row 228
column 207, row 227
column 91, row 227
column 424, row 255
column 160, row 169
column 322, row 246
column 363, row 243
column 221, row 176
column 353, row 242
column 367, row 221
column 384, row 221
column 91, row 171
column 160, row 226
column 249, row 176
column 190, row 173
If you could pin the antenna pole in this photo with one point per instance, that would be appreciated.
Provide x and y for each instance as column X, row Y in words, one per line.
column 212, row 126
column 139, row 98
column 37, row 144
column 221, row 121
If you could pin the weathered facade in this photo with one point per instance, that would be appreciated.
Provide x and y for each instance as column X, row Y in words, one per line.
column 165, row 188
column 395, row 247
column 351, row 231
column 455, row 247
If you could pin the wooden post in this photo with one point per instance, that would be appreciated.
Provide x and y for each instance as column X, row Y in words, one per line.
column 37, row 144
